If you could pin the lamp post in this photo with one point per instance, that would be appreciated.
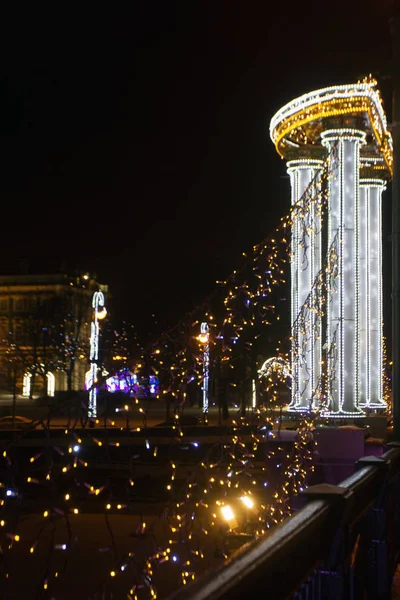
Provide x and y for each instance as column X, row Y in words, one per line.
column 99, row 312
column 204, row 338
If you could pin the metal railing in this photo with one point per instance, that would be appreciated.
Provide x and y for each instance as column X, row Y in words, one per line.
column 341, row 544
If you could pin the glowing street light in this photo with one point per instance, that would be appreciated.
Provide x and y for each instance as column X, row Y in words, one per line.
column 204, row 339
column 99, row 313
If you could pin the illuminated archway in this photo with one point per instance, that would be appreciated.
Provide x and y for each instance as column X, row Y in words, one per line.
column 278, row 369
column 26, row 385
column 275, row 364
column 50, row 384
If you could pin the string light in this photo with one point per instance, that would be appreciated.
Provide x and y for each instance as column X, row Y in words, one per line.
column 290, row 125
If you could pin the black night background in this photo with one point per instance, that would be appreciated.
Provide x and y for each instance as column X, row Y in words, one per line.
column 135, row 140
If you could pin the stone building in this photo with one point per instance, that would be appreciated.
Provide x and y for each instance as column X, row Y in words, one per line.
column 44, row 331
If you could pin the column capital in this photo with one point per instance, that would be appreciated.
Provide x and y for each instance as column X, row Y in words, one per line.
column 345, row 122
column 371, row 181
column 304, row 163
column 346, row 133
column 373, row 168
column 306, row 153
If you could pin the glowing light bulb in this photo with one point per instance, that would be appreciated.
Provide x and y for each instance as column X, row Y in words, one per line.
column 229, row 516
column 247, row 501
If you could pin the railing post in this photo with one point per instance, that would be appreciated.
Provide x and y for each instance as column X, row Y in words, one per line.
column 375, row 531
column 330, row 578
column 394, row 510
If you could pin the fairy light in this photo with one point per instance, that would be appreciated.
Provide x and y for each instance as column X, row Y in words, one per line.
column 247, row 501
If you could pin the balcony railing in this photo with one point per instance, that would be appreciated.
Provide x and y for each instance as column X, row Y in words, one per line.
column 341, row 544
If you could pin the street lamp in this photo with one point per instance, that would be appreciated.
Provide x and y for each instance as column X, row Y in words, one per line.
column 99, row 313
column 204, row 338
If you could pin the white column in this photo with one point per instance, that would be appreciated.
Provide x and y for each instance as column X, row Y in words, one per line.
column 305, row 264
column 364, row 296
column 343, row 334
column 371, row 285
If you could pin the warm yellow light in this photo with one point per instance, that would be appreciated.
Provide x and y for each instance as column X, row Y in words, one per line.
column 227, row 513
column 288, row 126
column 203, row 338
column 247, row 501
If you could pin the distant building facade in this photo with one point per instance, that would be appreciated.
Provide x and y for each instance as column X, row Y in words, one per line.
column 45, row 330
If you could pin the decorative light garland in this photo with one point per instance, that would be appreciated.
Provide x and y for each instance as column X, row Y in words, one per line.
column 357, row 99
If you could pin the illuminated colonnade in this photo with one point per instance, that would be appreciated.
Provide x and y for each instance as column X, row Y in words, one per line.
column 305, row 264
column 346, row 127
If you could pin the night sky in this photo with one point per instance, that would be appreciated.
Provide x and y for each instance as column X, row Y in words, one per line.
column 135, row 143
